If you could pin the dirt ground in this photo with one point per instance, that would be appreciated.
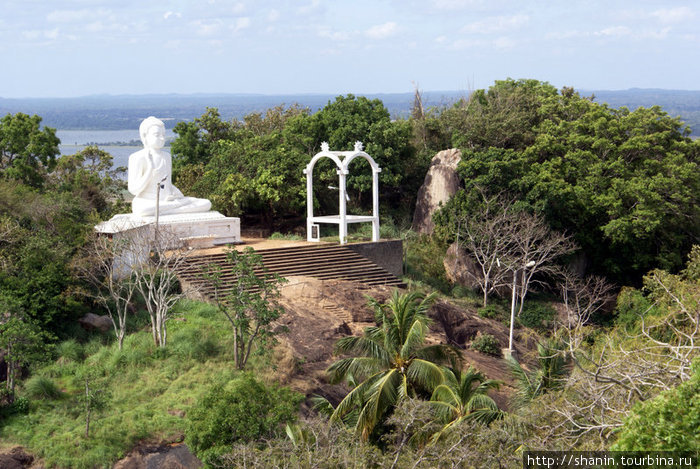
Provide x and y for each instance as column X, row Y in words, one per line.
column 318, row 313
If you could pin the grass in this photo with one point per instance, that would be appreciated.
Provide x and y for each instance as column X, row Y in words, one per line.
column 146, row 390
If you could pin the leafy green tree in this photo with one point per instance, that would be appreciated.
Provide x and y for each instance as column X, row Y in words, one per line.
column 89, row 175
column 392, row 361
column 349, row 119
column 241, row 410
column 504, row 116
column 669, row 422
column 624, row 183
column 21, row 339
column 463, row 396
column 195, row 139
column 250, row 304
column 27, row 152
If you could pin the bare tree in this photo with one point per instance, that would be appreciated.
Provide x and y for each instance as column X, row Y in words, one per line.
column 536, row 247
column 508, row 244
column 103, row 266
column 488, row 237
column 622, row 367
column 156, row 278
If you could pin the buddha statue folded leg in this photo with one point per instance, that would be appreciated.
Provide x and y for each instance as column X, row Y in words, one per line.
column 147, row 207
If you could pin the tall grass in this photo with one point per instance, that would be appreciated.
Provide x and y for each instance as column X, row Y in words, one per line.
column 145, row 392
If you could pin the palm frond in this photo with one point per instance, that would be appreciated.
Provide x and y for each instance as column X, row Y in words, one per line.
column 426, row 374
column 381, row 395
column 357, row 367
column 414, row 339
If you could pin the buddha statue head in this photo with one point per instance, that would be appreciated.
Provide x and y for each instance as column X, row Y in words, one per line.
column 152, row 133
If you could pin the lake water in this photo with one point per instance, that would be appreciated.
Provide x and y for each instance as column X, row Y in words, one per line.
column 72, row 141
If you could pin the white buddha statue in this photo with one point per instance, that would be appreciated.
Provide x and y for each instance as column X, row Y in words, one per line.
column 152, row 166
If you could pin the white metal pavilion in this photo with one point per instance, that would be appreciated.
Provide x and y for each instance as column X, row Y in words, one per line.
column 342, row 219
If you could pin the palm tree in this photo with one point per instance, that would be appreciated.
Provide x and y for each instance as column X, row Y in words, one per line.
column 549, row 374
column 463, row 397
column 391, row 361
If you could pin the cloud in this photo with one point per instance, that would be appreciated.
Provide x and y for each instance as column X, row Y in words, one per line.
column 312, row 8
column 382, row 31
column 452, row 5
column 70, row 16
column 501, row 43
column 241, row 23
column 328, row 33
column 273, row 15
column 614, row 31
column 171, row 14
column 207, row 28
column 496, row 24
column 673, row 15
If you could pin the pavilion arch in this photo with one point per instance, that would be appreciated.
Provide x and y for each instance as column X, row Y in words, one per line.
column 342, row 218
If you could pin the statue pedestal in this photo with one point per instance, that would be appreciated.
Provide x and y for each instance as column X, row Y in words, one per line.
column 197, row 230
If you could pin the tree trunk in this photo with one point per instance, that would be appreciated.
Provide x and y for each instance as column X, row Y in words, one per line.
column 87, row 409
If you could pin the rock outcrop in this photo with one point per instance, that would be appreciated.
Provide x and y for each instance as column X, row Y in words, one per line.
column 440, row 184
column 94, row 321
column 163, row 456
column 458, row 265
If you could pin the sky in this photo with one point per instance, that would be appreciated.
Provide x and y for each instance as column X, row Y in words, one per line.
column 67, row 48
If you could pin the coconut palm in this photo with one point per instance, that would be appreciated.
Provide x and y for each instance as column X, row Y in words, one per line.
column 391, row 361
column 549, row 374
column 463, row 397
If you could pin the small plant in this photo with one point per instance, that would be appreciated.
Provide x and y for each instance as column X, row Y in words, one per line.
column 287, row 236
column 537, row 315
column 487, row 344
column 70, row 350
column 494, row 311
column 40, row 387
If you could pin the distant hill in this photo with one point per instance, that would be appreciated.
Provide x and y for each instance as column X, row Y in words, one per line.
column 110, row 112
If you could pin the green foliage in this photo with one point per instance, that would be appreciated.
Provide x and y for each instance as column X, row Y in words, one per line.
column 624, row 183
column 27, row 152
column 549, row 375
column 254, row 166
column 463, row 396
column 241, row 410
column 144, row 394
column 23, row 342
column 70, row 350
column 669, row 422
column 250, row 305
column 391, row 361
column 41, row 387
column 494, row 310
column 287, row 236
column 487, row 344
column 631, row 306
column 537, row 315
column 89, row 175
column 423, row 261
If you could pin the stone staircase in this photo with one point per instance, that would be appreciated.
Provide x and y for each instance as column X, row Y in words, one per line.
column 324, row 262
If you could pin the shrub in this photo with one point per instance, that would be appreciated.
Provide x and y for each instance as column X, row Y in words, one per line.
column 241, row 410
column 631, row 304
column 537, row 315
column 486, row 343
column 669, row 422
column 40, row 387
column 494, row 311
column 287, row 236
column 70, row 350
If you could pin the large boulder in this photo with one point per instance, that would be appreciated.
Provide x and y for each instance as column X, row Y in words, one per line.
column 94, row 321
column 459, row 267
column 440, row 184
